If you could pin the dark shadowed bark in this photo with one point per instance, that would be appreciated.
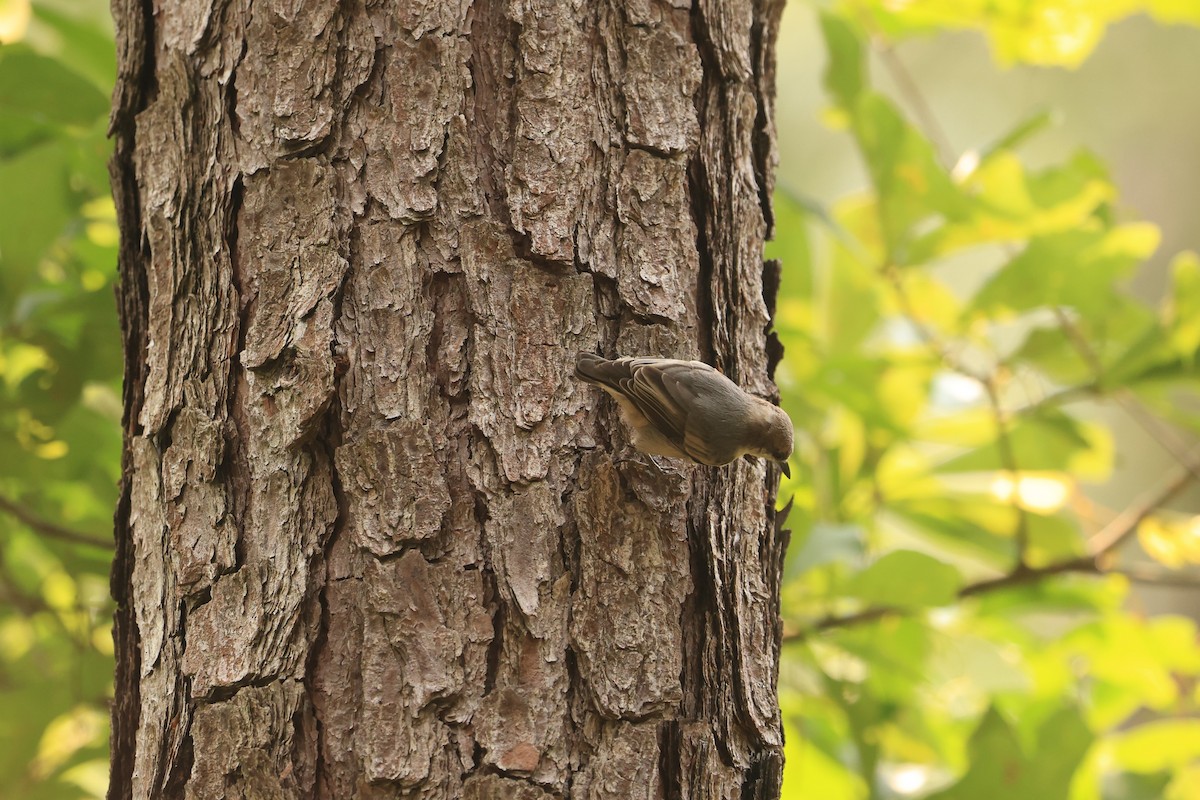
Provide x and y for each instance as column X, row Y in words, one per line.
column 375, row 541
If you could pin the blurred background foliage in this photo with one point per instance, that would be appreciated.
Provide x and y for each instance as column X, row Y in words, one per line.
column 60, row 404
column 991, row 587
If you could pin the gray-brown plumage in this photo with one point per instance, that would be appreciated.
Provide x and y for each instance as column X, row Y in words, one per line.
column 686, row 409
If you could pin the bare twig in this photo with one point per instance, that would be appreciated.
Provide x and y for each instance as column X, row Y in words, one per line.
column 1019, row 577
column 1102, row 545
column 1126, row 399
column 1125, row 524
column 1164, row 578
column 916, row 100
column 49, row 529
column 991, row 387
column 1070, row 394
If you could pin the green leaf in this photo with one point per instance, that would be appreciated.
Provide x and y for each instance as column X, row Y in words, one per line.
column 1050, row 441
column 33, row 219
column 1009, row 204
column 1182, row 307
column 41, row 89
column 1000, row 769
column 906, row 579
column 826, row 543
column 87, row 41
column 1076, row 268
column 1050, row 351
column 793, row 249
column 951, row 524
column 914, row 190
column 845, row 74
column 895, row 651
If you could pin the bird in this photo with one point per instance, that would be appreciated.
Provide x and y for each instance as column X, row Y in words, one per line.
column 687, row 409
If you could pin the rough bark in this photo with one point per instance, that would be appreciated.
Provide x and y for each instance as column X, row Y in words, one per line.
column 374, row 539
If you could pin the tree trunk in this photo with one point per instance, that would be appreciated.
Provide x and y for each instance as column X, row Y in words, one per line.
column 375, row 541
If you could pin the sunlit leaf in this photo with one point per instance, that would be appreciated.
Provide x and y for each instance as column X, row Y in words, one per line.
column 1175, row 11
column 1169, row 540
column 845, row 75
column 90, row 776
column 906, row 579
column 1158, row 745
column 1182, row 308
column 1048, row 442
column 1076, row 268
column 81, row 727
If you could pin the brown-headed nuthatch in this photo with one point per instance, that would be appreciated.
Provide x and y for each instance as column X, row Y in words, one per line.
column 686, row 409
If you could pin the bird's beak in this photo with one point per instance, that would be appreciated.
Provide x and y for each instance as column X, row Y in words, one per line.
column 787, row 469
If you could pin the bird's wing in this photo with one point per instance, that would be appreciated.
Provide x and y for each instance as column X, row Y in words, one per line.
column 679, row 380
column 665, row 391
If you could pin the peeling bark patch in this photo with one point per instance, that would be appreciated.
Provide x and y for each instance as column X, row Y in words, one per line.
column 337, row 698
column 252, row 746
column 657, row 238
column 424, row 648
column 202, row 537
column 403, row 123
column 303, row 60
column 386, row 319
column 522, row 723
column 553, row 102
column 496, row 787
column 624, row 765
column 663, row 72
column 259, row 623
column 634, row 576
column 191, row 299
column 289, row 226
column 529, row 326
column 526, row 563
column 395, row 487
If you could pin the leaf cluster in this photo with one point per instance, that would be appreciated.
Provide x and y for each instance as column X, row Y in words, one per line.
column 59, row 397
column 959, row 337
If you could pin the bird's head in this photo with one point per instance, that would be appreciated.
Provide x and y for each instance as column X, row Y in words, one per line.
column 773, row 435
column 781, row 441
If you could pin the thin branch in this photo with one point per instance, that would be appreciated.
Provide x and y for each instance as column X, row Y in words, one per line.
column 1062, row 397
column 1019, row 577
column 927, row 335
column 916, row 100
column 1102, row 544
column 49, row 529
column 1008, row 457
column 1164, row 578
column 991, row 387
column 1126, row 399
column 1125, row 524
